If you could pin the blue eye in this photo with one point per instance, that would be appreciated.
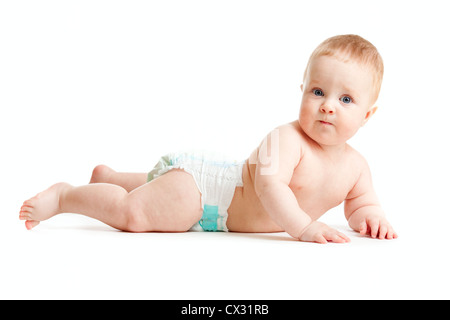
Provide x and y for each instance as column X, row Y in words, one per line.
column 318, row 92
column 346, row 99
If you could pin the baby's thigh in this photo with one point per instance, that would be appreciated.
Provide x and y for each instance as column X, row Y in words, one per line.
column 171, row 202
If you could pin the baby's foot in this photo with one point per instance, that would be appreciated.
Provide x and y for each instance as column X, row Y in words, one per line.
column 101, row 173
column 42, row 206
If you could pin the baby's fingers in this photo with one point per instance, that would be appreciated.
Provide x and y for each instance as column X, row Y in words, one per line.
column 369, row 227
column 386, row 231
column 383, row 232
column 374, row 227
column 344, row 237
column 336, row 237
column 319, row 238
column 377, row 229
column 391, row 234
column 363, row 228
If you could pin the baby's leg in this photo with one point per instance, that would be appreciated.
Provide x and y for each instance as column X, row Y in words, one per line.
column 169, row 203
column 128, row 181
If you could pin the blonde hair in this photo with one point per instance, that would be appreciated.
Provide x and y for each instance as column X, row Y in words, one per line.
column 356, row 48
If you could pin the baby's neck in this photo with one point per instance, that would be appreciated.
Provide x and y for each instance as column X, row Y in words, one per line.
column 334, row 151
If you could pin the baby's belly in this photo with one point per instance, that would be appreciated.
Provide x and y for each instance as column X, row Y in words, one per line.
column 246, row 213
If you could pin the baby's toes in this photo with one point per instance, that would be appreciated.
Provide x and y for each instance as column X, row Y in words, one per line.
column 30, row 224
column 29, row 202
column 26, row 211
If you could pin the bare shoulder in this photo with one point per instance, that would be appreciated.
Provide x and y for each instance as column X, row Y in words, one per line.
column 356, row 160
column 279, row 153
column 291, row 134
column 291, row 128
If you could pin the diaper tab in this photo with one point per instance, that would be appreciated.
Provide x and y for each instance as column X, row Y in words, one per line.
column 208, row 222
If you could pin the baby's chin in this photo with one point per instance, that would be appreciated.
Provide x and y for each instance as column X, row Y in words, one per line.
column 327, row 139
column 315, row 135
column 326, row 134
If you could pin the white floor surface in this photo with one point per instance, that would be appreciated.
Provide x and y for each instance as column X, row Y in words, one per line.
column 73, row 257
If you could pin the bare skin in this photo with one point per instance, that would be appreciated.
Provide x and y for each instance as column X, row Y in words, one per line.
column 316, row 170
column 146, row 208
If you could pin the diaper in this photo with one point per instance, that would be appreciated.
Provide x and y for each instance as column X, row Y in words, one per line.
column 216, row 179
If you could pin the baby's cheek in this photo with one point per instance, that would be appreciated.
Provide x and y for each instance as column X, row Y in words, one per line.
column 349, row 130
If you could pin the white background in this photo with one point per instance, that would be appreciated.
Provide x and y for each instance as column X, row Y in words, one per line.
column 123, row 82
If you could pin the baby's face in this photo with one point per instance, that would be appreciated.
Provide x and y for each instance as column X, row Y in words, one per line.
column 337, row 100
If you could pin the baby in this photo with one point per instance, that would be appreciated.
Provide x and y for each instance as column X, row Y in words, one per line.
column 298, row 172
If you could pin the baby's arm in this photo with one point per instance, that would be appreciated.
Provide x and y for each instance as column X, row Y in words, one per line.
column 279, row 154
column 363, row 210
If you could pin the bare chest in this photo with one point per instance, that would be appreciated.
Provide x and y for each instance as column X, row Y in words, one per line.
column 319, row 187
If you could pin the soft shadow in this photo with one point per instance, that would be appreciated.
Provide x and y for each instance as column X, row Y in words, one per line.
column 278, row 236
column 89, row 228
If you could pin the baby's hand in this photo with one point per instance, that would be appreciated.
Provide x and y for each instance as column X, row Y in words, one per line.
column 321, row 233
column 375, row 225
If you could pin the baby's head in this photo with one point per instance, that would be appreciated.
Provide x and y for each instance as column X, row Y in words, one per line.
column 352, row 47
column 340, row 86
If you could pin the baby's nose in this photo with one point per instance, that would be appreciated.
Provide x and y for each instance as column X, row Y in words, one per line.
column 327, row 109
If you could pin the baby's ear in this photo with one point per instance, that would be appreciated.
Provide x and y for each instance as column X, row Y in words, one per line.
column 301, row 87
column 369, row 114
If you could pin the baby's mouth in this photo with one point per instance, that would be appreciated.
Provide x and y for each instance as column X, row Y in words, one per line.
column 325, row 123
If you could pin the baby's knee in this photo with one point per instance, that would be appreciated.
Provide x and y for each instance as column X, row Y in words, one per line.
column 136, row 220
